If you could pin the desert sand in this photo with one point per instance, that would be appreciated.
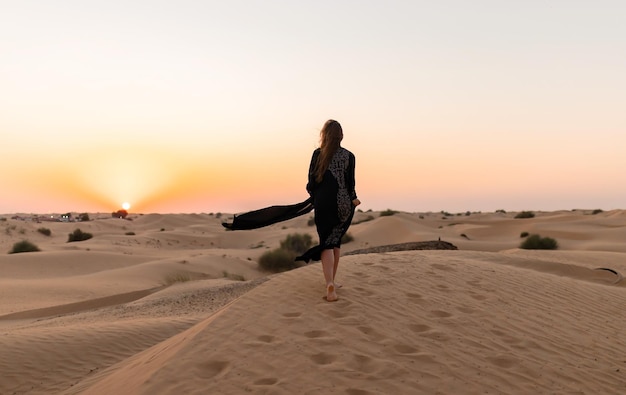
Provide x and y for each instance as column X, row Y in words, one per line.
column 175, row 304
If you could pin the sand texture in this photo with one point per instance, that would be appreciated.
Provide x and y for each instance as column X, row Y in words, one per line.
column 175, row 304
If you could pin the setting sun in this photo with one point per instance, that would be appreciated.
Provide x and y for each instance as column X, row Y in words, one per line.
column 125, row 205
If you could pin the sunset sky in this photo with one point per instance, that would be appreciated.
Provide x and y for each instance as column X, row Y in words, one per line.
column 215, row 106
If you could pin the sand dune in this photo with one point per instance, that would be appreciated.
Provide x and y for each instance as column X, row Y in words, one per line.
column 164, row 311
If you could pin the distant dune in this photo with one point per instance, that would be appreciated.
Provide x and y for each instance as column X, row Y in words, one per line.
column 175, row 304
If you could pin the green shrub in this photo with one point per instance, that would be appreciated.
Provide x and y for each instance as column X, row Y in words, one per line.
column 525, row 214
column 79, row 235
column 278, row 260
column 24, row 246
column 283, row 258
column 523, row 234
column 44, row 231
column 388, row 213
column 536, row 242
column 297, row 243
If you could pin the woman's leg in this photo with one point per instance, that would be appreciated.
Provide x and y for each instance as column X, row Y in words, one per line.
column 328, row 262
column 336, row 254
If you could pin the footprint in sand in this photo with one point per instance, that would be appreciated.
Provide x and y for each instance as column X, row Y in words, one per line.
column 436, row 336
column 357, row 391
column 316, row 334
column 506, row 337
column 419, row 328
column 371, row 333
column 440, row 314
column 503, row 361
column 445, row 268
column 363, row 291
column 466, row 310
column 360, row 275
column 477, row 296
column 363, row 364
column 266, row 381
column 266, row 338
column 212, row 369
column 323, row 358
column 406, row 349
column 337, row 313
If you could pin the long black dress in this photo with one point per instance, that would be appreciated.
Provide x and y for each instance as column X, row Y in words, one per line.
column 332, row 201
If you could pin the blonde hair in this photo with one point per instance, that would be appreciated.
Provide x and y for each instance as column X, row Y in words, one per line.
column 330, row 141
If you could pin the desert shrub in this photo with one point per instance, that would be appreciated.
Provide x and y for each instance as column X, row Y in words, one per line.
column 536, row 242
column 119, row 214
column 447, row 214
column 347, row 238
column 388, row 212
column 232, row 276
column 297, row 242
column 283, row 258
column 278, row 260
column 129, row 233
column 24, row 246
column 596, row 211
column 261, row 244
column 179, row 277
column 501, row 211
column 525, row 214
column 523, row 234
column 311, row 221
column 44, row 231
column 79, row 235
column 83, row 217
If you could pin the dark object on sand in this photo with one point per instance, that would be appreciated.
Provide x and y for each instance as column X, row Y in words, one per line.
column 418, row 245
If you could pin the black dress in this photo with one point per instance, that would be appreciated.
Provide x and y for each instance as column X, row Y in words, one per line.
column 332, row 201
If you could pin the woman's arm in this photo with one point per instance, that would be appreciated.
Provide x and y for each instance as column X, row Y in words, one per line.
column 350, row 180
column 311, row 184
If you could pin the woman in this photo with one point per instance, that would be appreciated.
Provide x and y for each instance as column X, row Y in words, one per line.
column 331, row 186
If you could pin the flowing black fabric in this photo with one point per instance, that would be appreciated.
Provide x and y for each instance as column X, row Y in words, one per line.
column 315, row 253
column 269, row 215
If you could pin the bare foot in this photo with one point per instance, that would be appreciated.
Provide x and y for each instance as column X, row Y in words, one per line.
column 331, row 295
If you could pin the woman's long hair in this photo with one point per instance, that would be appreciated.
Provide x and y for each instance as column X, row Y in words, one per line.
column 330, row 141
